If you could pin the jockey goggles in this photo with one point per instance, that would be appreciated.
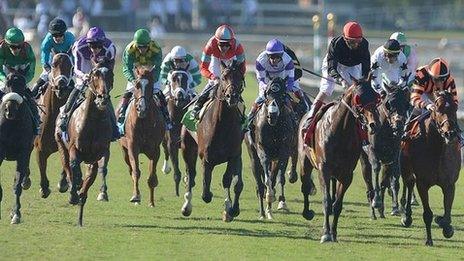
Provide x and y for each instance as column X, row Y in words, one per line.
column 391, row 55
column 141, row 46
column 179, row 60
column 275, row 56
column 440, row 78
column 352, row 41
column 57, row 35
column 224, row 44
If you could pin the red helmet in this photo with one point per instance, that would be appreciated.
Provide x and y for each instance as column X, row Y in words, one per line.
column 352, row 30
column 438, row 68
column 224, row 33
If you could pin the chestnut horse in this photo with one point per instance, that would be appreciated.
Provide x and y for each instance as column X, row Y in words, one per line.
column 144, row 132
column 384, row 150
column 336, row 149
column 16, row 137
column 218, row 139
column 433, row 159
column 270, row 144
column 178, row 98
column 90, row 132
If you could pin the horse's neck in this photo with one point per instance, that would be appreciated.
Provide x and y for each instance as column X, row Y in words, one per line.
column 343, row 118
column 222, row 112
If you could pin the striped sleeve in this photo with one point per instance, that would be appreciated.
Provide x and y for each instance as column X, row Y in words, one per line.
column 451, row 87
column 206, row 60
column 240, row 56
column 290, row 73
column 165, row 69
column 195, row 73
column 418, row 89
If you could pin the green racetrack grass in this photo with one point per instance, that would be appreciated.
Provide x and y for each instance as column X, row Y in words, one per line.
column 120, row 230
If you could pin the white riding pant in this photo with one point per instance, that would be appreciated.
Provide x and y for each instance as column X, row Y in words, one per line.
column 327, row 86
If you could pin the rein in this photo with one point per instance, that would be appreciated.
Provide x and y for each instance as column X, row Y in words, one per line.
column 68, row 77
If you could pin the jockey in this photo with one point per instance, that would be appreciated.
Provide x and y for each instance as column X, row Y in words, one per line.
column 179, row 59
column 16, row 55
column 222, row 47
column 409, row 52
column 347, row 55
column 57, row 40
column 93, row 47
column 142, row 51
column 271, row 63
column 389, row 67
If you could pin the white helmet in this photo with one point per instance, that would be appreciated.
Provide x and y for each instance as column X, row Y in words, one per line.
column 178, row 52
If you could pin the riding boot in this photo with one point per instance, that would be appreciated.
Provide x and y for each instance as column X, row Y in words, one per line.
column 199, row 104
column 314, row 109
column 69, row 106
column 38, row 88
column 251, row 115
column 164, row 109
column 123, row 106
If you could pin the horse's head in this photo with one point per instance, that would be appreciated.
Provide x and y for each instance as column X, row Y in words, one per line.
column 275, row 100
column 445, row 115
column 61, row 73
column 232, row 80
column 11, row 102
column 15, row 83
column 396, row 104
column 143, row 89
column 364, row 102
column 101, row 79
column 179, row 87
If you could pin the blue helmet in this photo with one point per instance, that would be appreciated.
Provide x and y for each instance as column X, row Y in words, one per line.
column 274, row 46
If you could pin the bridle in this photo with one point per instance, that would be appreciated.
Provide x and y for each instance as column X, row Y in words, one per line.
column 67, row 78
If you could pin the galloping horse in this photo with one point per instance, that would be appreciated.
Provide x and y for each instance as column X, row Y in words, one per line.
column 16, row 136
column 270, row 144
column 336, row 149
column 144, row 132
column 219, row 138
column 433, row 159
column 178, row 99
column 54, row 97
column 89, row 133
column 384, row 150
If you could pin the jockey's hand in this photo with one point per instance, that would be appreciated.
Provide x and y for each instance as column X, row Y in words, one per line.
column 431, row 107
column 344, row 84
column 216, row 81
column 47, row 67
column 86, row 77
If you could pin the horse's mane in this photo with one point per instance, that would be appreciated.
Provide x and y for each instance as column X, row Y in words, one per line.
column 15, row 83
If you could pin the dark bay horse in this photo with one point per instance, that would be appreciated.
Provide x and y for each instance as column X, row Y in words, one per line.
column 144, row 132
column 16, row 136
column 433, row 159
column 54, row 97
column 179, row 97
column 90, row 132
column 218, row 139
column 384, row 150
column 270, row 144
column 337, row 147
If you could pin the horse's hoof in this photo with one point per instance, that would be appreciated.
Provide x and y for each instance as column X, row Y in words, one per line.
column 261, row 217
column 45, row 192
column 166, row 168
column 283, row 206
column 292, row 176
column 151, row 205
column 26, row 183
column 448, row 231
column 308, row 214
column 429, row 242
column 185, row 180
column 373, row 217
column 135, row 199
column 16, row 219
column 326, row 238
column 73, row 199
column 207, row 197
column 63, row 186
column 269, row 214
column 102, row 196
column 439, row 221
column 406, row 221
column 382, row 215
column 235, row 212
column 186, row 210
column 395, row 212
column 226, row 217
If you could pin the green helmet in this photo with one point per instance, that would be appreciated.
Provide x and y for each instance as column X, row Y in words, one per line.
column 400, row 37
column 14, row 36
column 142, row 37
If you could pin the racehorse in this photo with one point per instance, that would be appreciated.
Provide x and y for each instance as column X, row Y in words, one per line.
column 336, row 148
column 270, row 144
column 144, row 132
column 384, row 150
column 54, row 97
column 177, row 100
column 433, row 159
column 218, row 139
column 89, row 132
column 16, row 137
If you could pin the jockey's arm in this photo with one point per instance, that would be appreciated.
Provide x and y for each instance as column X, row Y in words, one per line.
column 205, row 62
column 376, row 81
column 157, row 60
column 404, row 70
column 332, row 62
column 416, row 94
column 262, row 79
column 365, row 59
column 31, row 61
column 194, row 71
column 128, row 66
column 451, row 87
column 165, row 69
column 45, row 50
column 78, row 62
column 290, row 76
column 2, row 62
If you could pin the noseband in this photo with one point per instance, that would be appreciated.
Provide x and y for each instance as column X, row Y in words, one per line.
column 68, row 77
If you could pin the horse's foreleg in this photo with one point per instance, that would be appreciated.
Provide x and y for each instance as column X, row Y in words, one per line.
column 42, row 157
column 306, row 183
column 292, row 175
column 134, row 166
column 174, row 153
column 65, row 164
column 377, row 201
column 282, row 166
column 86, row 184
column 166, row 168
column 427, row 215
column 258, row 174
column 366, row 170
column 189, row 153
column 338, row 204
column 226, row 182
column 393, row 175
column 76, row 181
column 152, row 179
column 21, row 168
column 207, row 195
column 103, row 171
column 238, row 187
column 327, row 205
column 445, row 221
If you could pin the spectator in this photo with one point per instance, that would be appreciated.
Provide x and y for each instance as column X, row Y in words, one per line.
column 185, row 15
column 156, row 9
column 249, row 12
column 156, row 29
column 80, row 23
column 172, row 9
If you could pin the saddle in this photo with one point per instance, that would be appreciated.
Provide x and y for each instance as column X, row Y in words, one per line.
column 309, row 132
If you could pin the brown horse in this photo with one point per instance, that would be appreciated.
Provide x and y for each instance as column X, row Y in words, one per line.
column 144, row 132
column 219, row 138
column 178, row 99
column 54, row 97
column 433, row 159
column 336, row 149
column 90, row 132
